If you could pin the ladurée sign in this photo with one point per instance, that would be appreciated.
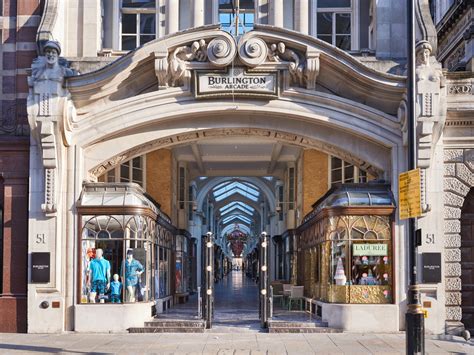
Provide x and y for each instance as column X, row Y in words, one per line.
column 236, row 81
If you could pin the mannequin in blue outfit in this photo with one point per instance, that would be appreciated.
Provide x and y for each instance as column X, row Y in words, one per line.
column 115, row 289
column 99, row 276
column 133, row 269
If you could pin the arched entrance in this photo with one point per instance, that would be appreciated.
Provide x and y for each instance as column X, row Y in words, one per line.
column 467, row 261
column 149, row 104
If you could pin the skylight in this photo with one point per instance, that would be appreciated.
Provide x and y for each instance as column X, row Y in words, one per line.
column 229, row 188
column 236, row 216
column 239, row 204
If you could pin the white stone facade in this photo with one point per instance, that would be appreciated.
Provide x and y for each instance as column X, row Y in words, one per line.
column 328, row 100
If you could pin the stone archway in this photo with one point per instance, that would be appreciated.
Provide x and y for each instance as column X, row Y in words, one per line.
column 458, row 180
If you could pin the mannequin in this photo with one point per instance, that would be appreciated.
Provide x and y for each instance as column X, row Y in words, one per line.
column 133, row 269
column 115, row 289
column 99, row 276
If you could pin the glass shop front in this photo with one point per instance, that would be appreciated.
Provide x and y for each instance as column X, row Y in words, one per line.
column 345, row 247
column 128, row 249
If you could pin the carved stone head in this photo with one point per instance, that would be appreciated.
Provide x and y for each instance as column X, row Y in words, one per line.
column 423, row 53
column 52, row 49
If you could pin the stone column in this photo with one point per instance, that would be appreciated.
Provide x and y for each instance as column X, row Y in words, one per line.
column 302, row 16
column 198, row 14
column 277, row 13
column 172, row 16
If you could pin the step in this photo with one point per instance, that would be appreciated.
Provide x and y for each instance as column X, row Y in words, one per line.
column 175, row 323
column 165, row 330
column 293, row 324
column 304, row 330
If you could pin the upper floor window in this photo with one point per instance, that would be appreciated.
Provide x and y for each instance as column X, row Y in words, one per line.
column 129, row 171
column 246, row 15
column 344, row 172
column 334, row 22
column 138, row 23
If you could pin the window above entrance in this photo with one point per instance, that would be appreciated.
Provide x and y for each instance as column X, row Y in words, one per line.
column 246, row 15
column 138, row 23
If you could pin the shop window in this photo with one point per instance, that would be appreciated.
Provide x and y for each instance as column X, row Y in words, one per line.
column 334, row 22
column 181, row 264
column 163, row 255
column 138, row 23
column 246, row 15
column 116, row 259
column 291, row 188
column 344, row 172
column 129, row 171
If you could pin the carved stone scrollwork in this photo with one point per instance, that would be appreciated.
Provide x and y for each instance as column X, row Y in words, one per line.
column 178, row 67
column 161, row 68
column 279, row 53
column 221, row 51
column 253, row 52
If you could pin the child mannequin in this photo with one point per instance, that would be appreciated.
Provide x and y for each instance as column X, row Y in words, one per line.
column 115, row 289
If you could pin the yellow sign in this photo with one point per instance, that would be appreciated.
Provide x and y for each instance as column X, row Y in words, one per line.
column 409, row 194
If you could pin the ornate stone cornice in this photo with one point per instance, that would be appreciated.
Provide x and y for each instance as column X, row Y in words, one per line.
column 309, row 63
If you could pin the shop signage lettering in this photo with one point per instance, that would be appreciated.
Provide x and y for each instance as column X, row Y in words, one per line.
column 370, row 250
column 431, row 268
column 236, row 81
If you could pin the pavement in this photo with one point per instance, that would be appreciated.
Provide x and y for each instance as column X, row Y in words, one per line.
column 223, row 344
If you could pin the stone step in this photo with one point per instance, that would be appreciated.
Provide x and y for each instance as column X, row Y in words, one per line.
column 304, row 330
column 175, row 323
column 165, row 330
column 293, row 324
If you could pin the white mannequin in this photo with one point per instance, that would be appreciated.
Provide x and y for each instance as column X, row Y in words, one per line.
column 92, row 295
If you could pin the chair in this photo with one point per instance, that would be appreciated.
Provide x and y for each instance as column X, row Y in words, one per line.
column 278, row 292
column 286, row 293
column 296, row 296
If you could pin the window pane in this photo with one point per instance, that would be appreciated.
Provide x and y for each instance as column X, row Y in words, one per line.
column 111, row 175
column 336, row 163
column 146, row 39
column 324, row 23
column 225, row 4
column 224, row 19
column 349, row 173
column 137, row 162
column 124, row 173
column 334, row 3
column 343, row 23
column 129, row 23
column 326, row 38
column 138, row 3
column 137, row 176
column 343, row 42
column 336, row 175
column 247, row 4
column 129, row 43
column 147, row 24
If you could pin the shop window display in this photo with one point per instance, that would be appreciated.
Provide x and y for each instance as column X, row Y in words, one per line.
column 118, row 246
column 354, row 259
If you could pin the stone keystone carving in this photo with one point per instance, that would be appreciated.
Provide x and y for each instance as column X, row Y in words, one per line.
column 45, row 108
column 430, row 107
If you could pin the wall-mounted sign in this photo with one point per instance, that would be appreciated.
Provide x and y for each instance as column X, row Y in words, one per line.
column 40, row 267
column 409, row 194
column 370, row 249
column 237, row 82
column 431, row 263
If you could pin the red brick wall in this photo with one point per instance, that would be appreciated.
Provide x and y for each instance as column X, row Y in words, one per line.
column 18, row 49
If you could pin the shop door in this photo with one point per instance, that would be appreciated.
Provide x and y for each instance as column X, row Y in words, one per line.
column 263, row 272
column 467, row 261
column 207, row 288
